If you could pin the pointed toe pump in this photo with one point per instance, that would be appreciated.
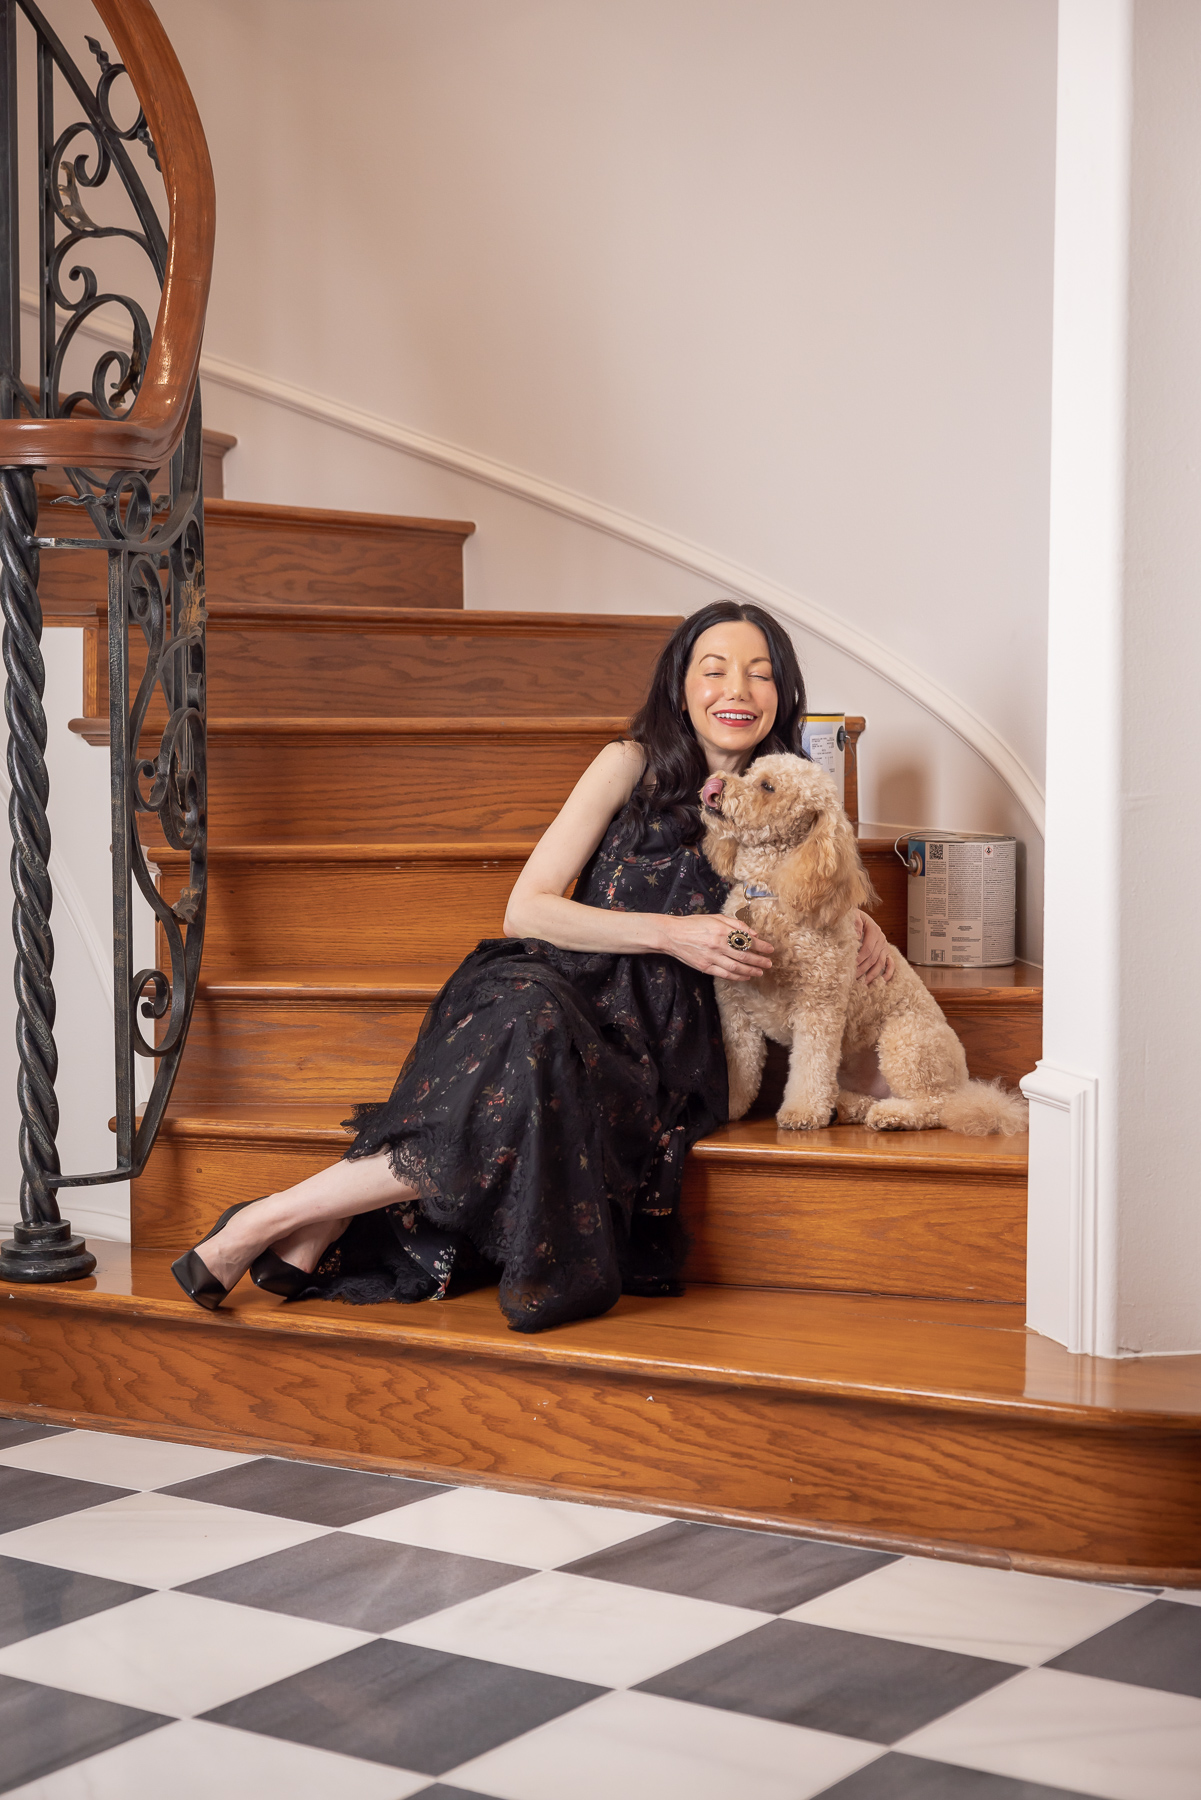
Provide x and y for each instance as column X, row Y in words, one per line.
column 193, row 1274
column 276, row 1276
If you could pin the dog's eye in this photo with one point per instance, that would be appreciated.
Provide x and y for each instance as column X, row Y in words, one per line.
column 767, row 787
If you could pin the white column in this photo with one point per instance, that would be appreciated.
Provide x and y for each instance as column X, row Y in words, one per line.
column 1115, row 1185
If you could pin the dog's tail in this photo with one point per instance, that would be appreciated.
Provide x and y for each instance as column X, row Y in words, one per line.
column 984, row 1107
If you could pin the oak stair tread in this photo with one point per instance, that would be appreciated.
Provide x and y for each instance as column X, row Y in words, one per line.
column 949, row 1354
column 422, row 621
column 1018, row 981
column 850, row 1146
column 76, row 521
column 96, row 730
column 466, row 848
column 469, row 849
column 332, row 519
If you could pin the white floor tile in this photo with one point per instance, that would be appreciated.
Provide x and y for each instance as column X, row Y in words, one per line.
column 1076, row 1732
column 642, row 1747
column 585, row 1630
column 198, row 1761
column 156, row 1540
column 976, row 1611
column 1184, row 1596
column 126, row 1462
column 511, row 1528
column 175, row 1653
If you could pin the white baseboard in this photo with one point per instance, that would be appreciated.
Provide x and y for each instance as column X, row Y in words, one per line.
column 1063, row 1216
column 88, row 1221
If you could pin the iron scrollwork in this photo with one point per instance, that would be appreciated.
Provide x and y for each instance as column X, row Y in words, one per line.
column 155, row 546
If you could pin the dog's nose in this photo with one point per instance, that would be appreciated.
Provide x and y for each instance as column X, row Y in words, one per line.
column 712, row 791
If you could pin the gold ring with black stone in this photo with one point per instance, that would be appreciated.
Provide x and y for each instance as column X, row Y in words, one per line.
column 739, row 940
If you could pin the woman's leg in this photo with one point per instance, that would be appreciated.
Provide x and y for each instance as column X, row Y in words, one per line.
column 302, row 1221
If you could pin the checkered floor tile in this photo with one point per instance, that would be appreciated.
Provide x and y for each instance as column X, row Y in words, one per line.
column 183, row 1622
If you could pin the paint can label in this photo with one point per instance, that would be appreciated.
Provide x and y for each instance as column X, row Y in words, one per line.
column 962, row 899
column 823, row 739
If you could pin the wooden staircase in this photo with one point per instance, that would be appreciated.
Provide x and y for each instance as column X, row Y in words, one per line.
column 850, row 1358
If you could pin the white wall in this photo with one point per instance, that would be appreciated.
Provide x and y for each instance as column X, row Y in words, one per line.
column 770, row 277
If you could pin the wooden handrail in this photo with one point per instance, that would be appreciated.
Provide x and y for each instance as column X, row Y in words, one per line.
column 150, row 432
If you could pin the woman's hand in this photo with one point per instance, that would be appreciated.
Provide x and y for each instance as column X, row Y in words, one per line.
column 875, row 956
column 703, row 941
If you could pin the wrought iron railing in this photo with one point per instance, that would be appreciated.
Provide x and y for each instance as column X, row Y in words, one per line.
column 138, row 416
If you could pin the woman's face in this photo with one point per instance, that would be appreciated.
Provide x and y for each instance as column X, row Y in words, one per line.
column 730, row 693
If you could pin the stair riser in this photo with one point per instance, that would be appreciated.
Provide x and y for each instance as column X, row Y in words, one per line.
column 295, row 1051
column 359, row 562
column 271, row 671
column 1026, row 1490
column 1004, row 1039
column 390, row 789
column 350, row 917
column 284, row 560
column 893, row 1231
column 929, row 1234
column 187, row 1182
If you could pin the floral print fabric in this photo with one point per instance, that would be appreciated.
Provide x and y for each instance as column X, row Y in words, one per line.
column 544, row 1113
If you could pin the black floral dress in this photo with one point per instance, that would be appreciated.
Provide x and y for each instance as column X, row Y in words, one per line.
column 544, row 1113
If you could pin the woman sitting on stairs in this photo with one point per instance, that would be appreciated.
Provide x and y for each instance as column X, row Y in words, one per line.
column 540, row 1122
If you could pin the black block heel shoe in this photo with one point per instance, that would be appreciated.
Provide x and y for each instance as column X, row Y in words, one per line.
column 276, row 1276
column 193, row 1274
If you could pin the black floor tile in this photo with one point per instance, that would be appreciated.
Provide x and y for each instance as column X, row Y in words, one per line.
column 742, row 1568
column 1159, row 1647
column 840, row 1681
column 27, row 1497
column 404, row 1706
column 290, row 1490
column 899, row 1777
column 365, row 1583
column 440, row 1791
column 22, row 1431
column 35, row 1597
column 44, row 1728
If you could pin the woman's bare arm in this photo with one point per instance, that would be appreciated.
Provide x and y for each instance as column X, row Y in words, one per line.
column 538, row 906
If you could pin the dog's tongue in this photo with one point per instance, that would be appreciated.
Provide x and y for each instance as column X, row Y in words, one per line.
column 712, row 791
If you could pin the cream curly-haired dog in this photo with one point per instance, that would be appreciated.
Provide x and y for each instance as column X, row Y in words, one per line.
column 780, row 835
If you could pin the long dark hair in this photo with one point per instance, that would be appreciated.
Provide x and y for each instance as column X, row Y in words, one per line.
column 675, row 762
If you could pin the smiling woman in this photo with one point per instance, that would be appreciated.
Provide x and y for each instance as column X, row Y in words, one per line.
column 537, row 1132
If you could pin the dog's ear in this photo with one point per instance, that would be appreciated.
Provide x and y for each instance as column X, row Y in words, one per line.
column 823, row 877
column 722, row 853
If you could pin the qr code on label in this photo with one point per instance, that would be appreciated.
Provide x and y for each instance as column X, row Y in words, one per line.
column 936, row 851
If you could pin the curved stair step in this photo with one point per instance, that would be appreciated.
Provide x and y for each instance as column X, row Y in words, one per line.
column 923, row 1213
column 904, row 1425
column 297, row 555
column 374, row 905
column 345, row 777
column 268, row 659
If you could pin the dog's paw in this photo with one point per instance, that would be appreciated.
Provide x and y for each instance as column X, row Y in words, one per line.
column 795, row 1118
column 740, row 1104
column 853, row 1109
column 888, row 1115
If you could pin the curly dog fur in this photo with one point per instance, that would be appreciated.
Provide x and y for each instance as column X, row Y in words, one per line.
column 781, row 828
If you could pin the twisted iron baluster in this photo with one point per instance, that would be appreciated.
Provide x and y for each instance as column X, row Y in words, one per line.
column 42, row 1247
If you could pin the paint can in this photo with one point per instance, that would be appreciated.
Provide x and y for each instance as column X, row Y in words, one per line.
column 824, row 741
column 962, row 898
